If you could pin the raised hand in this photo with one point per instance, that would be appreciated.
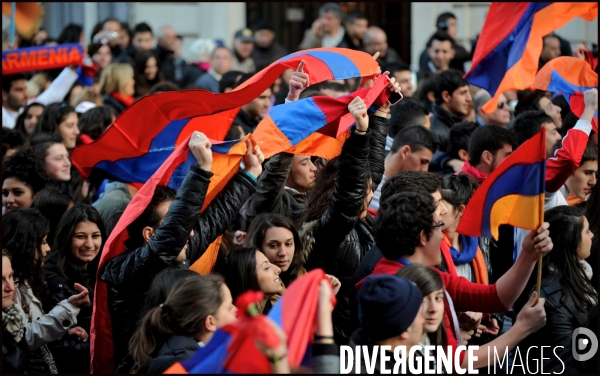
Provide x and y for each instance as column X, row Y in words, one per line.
column 200, row 147
column 80, row 299
column 298, row 82
column 358, row 109
column 253, row 159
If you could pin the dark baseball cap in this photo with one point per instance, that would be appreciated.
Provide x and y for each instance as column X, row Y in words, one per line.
column 245, row 35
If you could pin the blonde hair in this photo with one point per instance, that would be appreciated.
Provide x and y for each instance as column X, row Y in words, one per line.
column 115, row 77
column 87, row 95
column 37, row 84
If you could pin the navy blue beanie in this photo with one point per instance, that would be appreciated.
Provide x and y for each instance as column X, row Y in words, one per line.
column 387, row 306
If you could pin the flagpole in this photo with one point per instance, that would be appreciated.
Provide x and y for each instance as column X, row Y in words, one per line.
column 539, row 263
column 13, row 10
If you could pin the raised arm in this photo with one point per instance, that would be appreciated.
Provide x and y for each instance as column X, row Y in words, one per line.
column 59, row 88
column 566, row 159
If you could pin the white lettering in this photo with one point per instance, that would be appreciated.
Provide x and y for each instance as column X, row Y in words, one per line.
column 343, row 351
column 412, row 359
column 497, row 359
column 542, row 361
column 560, row 360
column 517, row 356
column 429, row 359
column 370, row 361
column 472, row 359
column 445, row 358
column 383, row 359
column 357, row 365
column 536, row 363
column 399, row 360
column 457, row 366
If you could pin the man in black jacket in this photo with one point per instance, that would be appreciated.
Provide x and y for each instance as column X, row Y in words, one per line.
column 452, row 104
column 356, row 26
column 160, row 236
column 142, row 39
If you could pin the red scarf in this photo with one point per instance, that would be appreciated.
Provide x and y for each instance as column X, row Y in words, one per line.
column 126, row 100
column 473, row 172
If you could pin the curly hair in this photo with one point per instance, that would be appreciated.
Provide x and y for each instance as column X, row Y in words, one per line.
column 399, row 223
column 26, row 166
column 53, row 115
column 410, row 181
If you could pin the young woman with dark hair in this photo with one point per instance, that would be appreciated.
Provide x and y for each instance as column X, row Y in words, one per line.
column 591, row 213
column 194, row 308
column 55, row 156
column 27, row 121
column 249, row 269
column 52, row 203
column 24, row 234
column 146, row 72
column 277, row 238
column 94, row 122
column 23, row 177
column 14, row 349
column 565, row 286
column 60, row 118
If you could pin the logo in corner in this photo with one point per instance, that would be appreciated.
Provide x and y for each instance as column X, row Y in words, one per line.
column 584, row 344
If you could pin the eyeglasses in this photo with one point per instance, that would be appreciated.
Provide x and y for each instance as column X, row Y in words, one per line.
column 441, row 224
column 502, row 104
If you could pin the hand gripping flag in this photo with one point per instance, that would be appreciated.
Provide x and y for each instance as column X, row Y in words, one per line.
column 232, row 348
column 510, row 43
column 144, row 135
column 512, row 194
column 571, row 77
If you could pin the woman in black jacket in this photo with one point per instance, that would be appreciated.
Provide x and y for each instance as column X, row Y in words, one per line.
column 173, row 330
column 567, row 289
column 74, row 259
column 336, row 227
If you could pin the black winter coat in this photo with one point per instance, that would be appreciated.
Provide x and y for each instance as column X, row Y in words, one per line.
column 15, row 355
column 562, row 318
column 117, row 105
column 441, row 122
column 130, row 274
column 176, row 349
column 70, row 354
column 271, row 195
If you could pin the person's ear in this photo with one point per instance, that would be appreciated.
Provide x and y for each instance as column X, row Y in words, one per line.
column 463, row 155
column 431, row 96
column 210, row 323
column 461, row 209
column 446, row 97
column 147, row 233
column 404, row 152
column 405, row 335
column 452, row 53
column 487, row 157
column 423, row 239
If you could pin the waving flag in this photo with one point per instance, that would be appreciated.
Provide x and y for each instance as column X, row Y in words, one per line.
column 571, row 77
column 510, row 43
column 232, row 348
column 512, row 194
column 144, row 135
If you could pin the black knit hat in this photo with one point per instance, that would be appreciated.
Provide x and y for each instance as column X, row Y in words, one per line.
column 387, row 306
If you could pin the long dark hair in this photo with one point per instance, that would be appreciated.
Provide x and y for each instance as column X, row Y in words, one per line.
column 96, row 120
column 256, row 237
column 20, row 123
column 428, row 281
column 142, row 85
column 184, row 311
column 566, row 224
column 52, row 203
column 319, row 197
column 64, row 237
column 53, row 115
column 23, row 231
column 238, row 268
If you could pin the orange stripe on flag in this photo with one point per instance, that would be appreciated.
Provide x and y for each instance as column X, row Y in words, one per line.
column 205, row 264
column 519, row 211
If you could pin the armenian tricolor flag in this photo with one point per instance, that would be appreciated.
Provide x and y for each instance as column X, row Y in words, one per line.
column 571, row 77
column 232, row 348
column 512, row 194
column 510, row 43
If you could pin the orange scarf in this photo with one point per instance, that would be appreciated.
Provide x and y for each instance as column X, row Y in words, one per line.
column 478, row 263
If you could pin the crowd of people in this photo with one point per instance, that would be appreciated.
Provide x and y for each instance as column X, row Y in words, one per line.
column 380, row 219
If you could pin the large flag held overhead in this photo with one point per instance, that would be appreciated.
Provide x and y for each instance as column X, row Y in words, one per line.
column 510, row 43
column 144, row 135
column 232, row 348
column 168, row 148
column 512, row 194
column 571, row 77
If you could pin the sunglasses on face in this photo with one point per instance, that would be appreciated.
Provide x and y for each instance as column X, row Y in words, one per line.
column 502, row 104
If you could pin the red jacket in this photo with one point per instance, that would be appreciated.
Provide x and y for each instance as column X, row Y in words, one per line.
column 466, row 296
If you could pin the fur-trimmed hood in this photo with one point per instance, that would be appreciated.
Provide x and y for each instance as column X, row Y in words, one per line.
column 307, row 237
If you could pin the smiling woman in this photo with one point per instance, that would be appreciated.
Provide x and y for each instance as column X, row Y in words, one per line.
column 60, row 118
column 74, row 259
column 22, row 178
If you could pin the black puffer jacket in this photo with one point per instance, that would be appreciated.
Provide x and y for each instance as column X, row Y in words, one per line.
column 441, row 122
column 130, row 274
column 271, row 195
column 70, row 354
column 175, row 349
column 562, row 318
